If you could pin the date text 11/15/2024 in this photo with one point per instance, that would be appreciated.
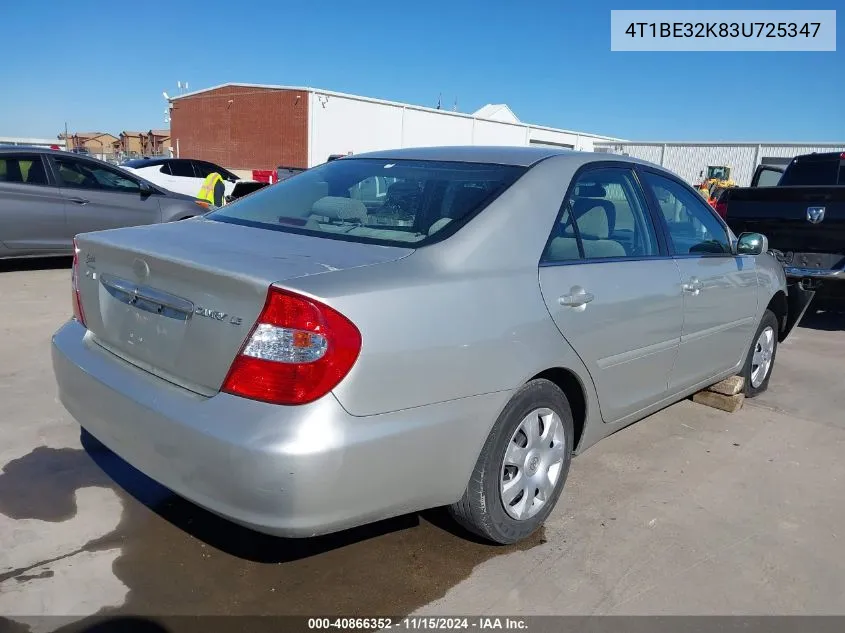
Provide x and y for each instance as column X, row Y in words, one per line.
column 429, row 623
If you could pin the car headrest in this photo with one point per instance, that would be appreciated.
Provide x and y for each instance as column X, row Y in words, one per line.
column 337, row 208
column 590, row 191
column 596, row 218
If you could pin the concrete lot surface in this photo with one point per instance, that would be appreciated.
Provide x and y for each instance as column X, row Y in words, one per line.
column 691, row 511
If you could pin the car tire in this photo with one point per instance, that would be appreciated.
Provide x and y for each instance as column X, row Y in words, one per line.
column 760, row 360
column 522, row 467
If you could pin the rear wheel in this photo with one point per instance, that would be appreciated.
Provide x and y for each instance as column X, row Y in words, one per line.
column 522, row 467
column 761, row 357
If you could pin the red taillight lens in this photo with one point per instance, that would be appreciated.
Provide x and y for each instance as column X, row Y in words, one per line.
column 297, row 352
column 76, row 300
column 721, row 208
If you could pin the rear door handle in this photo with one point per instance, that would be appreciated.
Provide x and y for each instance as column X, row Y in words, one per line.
column 576, row 298
column 80, row 201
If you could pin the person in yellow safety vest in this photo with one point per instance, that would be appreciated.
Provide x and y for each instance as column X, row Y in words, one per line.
column 212, row 189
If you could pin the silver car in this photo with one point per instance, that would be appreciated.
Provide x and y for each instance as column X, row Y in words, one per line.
column 48, row 196
column 408, row 329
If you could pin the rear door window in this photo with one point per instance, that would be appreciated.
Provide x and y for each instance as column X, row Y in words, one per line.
column 182, row 168
column 769, row 178
column 611, row 219
column 375, row 200
column 23, row 169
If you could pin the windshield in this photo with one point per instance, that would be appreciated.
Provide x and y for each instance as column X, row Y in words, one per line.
column 375, row 200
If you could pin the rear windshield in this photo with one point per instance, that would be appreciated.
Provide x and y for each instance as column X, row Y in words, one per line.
column 811, row 172
column 407, row 202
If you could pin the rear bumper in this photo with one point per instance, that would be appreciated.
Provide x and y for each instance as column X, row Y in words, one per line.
column 289, row 471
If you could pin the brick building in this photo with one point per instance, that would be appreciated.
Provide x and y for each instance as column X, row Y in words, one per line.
column 128, row 144
column 155, row 142
column 242, row 127
column 96, row 143
column 246, row 126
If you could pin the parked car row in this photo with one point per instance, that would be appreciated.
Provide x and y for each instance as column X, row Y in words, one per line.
column 182, row 175
column 47, row 197
column 406, row 329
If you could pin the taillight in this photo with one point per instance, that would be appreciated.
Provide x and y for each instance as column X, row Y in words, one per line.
column 721, row 208
column 297, row 352
column 76, row 300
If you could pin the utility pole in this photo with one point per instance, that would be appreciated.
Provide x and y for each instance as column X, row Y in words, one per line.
column 66, row 141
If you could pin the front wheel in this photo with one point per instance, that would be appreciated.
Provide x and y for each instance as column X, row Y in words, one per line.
column 522, row 467
column 761, row 356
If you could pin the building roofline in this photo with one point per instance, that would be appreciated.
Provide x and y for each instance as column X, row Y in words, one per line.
column 409, row 106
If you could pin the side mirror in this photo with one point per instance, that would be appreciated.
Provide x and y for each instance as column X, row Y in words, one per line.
column 145, row 188
column 752, row 244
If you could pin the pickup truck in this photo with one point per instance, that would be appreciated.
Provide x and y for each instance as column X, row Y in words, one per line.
column 764, row 176
column 803, row 217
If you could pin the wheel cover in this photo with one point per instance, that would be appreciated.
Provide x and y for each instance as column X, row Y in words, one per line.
column 532, row 464
column 762, row 357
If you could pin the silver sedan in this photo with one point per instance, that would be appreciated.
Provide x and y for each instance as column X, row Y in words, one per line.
column 409, row 329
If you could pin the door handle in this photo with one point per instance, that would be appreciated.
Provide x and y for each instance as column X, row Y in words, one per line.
column 693, row 286
column 79, row 201
column 577, row 298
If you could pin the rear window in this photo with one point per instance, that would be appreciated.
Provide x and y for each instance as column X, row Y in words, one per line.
column 811, row 172
column 407, row 202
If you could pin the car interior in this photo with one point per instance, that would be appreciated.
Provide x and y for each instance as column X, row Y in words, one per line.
column 410, row 206
column 23, row 171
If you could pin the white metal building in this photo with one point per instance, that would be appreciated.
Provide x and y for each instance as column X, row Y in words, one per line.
column 31, row 141
column 260, row 126
column 689, row 160
column 361, row 124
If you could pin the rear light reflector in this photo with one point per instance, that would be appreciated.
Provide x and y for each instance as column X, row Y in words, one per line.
column 297, row 352
column 76, row 300
column 721, row 208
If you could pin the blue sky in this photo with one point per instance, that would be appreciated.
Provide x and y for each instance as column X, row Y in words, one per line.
column 103, row 65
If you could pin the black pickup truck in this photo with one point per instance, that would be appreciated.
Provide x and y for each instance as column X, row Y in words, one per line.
column 803, row 217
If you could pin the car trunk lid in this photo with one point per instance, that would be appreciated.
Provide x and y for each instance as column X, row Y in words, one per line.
column 179, row 299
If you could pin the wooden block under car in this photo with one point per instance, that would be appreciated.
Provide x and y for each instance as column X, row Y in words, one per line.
column 729, row 386
column 720, row 401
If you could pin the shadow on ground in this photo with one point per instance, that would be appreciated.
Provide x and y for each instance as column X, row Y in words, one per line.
column 826, row 318
column 179, row 559
column 35, row 263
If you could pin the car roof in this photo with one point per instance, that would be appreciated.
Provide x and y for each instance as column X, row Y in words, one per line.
column 524, row 156
column 29, row 149
column 152, row 160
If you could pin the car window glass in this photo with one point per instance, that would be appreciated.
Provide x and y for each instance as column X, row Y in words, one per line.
column 27, row 170
column 693, row 227
column 182, row 168
column 85, row 175
column 165, row 168
column 202, row 170
column 768, row 178
column 611, row 218
column 375, row 200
